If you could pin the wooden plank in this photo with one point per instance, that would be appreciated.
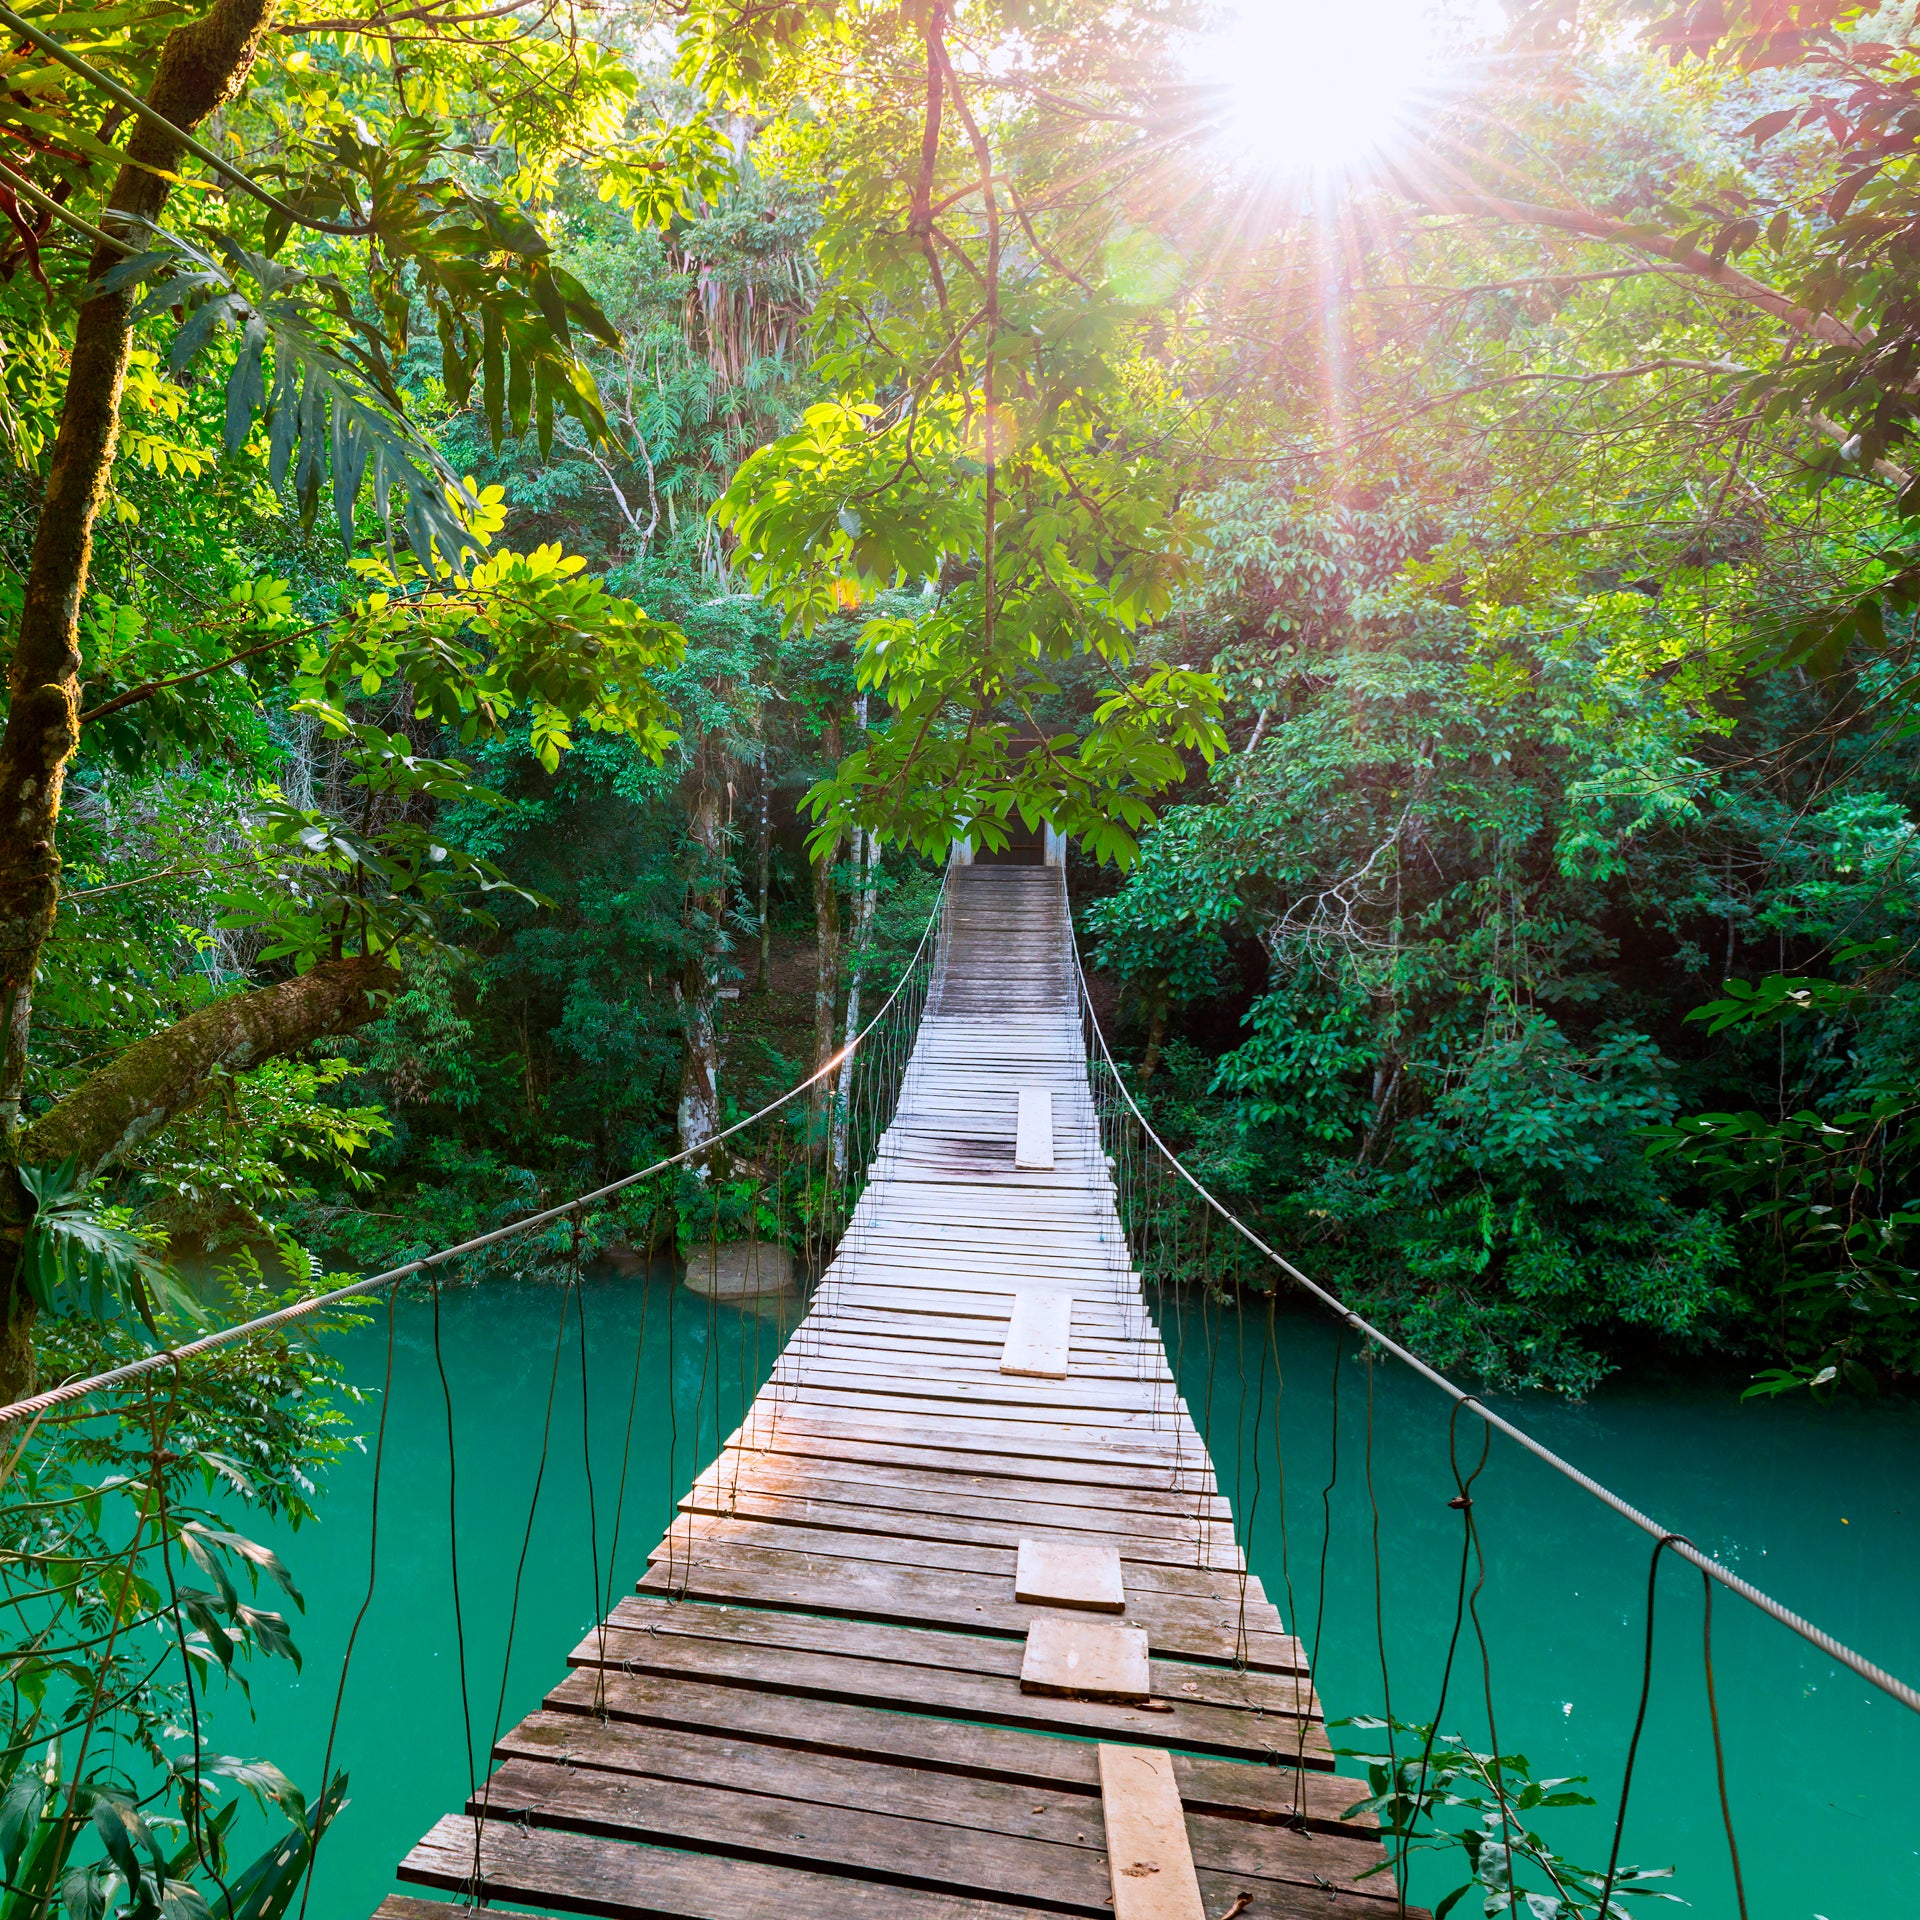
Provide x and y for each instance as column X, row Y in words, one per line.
column 1259, row 1793
column 1200, row 1710
column 1055, row 1812
column 576, row 1873
column 1068, row 1573
column 1145, row 1538
column 1147, row 1852
column 792, row 1461
column 801, row 1433
column 934, row 1856
column 909, row 1596
column 1092, row 1659
column 1033, row 1135
column 911, row 1540
column 1039, row 1335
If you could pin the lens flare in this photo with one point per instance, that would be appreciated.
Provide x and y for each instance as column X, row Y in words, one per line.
column 1306, row 88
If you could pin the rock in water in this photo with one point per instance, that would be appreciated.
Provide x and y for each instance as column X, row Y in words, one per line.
column 740, row 1270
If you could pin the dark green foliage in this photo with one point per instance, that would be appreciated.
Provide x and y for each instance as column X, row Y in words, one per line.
column 1462, row 899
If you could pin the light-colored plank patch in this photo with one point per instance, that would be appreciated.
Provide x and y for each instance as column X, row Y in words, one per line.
column 1039, row 1335
column 1094, row 1659
column 1147, row 1851
column 1033, row 1143
column 1069, row 1573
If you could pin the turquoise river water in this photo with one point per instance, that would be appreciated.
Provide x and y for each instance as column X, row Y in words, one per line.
column 1821, row 1506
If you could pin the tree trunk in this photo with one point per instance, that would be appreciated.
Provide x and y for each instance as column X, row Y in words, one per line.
column 697, row 989
column 866, row 877
column 766, row 854
column 1161, row 1005
column 826, row 968
column 201, row 67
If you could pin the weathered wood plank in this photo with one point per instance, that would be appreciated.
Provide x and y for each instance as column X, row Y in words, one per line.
column 578, row 1873
column 1039, row 1335
column 1033, row 1130
column 1146, row 1538
column 1147, row 1853
column 1088, row 1659
column 1259, row 1793
column 864, row 1590
column 1068, row 1573
column 1059, row 1813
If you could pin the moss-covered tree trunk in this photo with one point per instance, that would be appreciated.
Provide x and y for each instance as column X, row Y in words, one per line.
column 201, row 65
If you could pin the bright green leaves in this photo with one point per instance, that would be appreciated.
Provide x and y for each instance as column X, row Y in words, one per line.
column 732, row 49
column 930, row 777
column 509, row 320
column 524, row 631
column 847, row 504
column 1086, row 552
column 523, row 637
column 323, row 888
column 998, row 455
column 668, row 171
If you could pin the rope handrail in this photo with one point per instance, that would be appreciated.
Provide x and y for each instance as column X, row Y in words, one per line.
column 1678, row 1543
column 38, row 1404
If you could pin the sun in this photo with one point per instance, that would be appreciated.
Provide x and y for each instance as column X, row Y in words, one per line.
column 1305, row 88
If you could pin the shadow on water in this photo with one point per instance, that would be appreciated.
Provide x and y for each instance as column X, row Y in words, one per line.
column 402, row 1737
column 1818, row 1506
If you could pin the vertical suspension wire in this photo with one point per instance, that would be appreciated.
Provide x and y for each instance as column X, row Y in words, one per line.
column 1210, row 1323
column 453, row 1541
column 1250, row 1515
column 359, row 1619
column 1660, row 1546
column 1320, row 1604
column 1292, row 1622
column 1380, row 1607
column 598, row 1615
column 160, row 1426
column 1486, row 1678
column 626, row 1460
column 1719, row 1750
column 709, row 1360
column 478, row 1882
column 1462, row 1503
column 673, row 1420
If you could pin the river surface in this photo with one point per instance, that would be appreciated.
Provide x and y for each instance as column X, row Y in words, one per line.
column 1820, row 1506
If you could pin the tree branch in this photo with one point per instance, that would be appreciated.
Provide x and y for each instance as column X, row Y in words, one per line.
column 1589, row 225
column 135, row 1094
column 147, row 689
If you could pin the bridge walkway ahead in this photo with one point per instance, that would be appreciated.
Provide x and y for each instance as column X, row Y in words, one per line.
column 813, row 1706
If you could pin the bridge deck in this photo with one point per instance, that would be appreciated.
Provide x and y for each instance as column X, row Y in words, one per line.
column 812, row 1707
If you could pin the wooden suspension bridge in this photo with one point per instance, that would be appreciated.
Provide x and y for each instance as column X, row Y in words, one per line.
column 956, row 1627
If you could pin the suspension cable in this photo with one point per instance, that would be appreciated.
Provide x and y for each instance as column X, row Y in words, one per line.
column 1878, row 1676
column 39, row 1403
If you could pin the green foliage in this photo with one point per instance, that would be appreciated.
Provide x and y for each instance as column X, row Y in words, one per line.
column 1443, row 1797
column 80, row 1257
column 129, row 1571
